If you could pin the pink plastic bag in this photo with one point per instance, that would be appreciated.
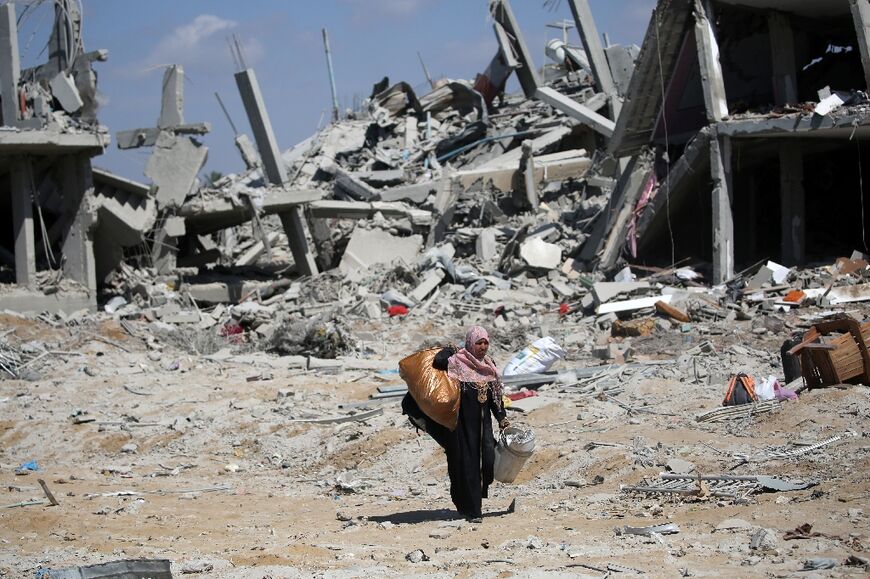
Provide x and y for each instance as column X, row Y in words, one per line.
column 783, row 393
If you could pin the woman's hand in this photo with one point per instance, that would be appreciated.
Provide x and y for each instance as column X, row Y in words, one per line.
column 504, row 424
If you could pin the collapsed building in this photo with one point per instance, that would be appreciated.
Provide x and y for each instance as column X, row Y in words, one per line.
column 733, row 134
column 49, row 135
column 757, row 109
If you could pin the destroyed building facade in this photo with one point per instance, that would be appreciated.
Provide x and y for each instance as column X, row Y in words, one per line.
column 733, row 134
column 757, row 110
column 49, row 135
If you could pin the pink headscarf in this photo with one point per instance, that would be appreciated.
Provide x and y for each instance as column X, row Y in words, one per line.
column 466, row 367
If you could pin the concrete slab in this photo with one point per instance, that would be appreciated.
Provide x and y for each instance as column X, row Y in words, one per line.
column 538, row 253
column 607, row 290
column 376, row 246
column 432, row 280
column 24, row 302
column 416, row 193
column 64, row 90
column 173, row 167
column 485, row 245
column 172, row 104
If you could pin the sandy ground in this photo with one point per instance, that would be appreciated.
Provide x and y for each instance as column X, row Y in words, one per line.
column 203, row 467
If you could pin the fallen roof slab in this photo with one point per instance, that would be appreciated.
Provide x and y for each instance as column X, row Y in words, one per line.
column 16, row 141
column 207, row 216
column 367, row 248
column 362, row 210
column 26, row 302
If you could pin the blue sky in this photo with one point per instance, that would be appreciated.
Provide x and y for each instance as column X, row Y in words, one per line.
column 283, row 44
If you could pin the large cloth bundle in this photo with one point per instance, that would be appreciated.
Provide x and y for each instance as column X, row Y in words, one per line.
column 433, row 390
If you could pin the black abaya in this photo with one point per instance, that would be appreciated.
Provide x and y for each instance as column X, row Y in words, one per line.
column 470, row 448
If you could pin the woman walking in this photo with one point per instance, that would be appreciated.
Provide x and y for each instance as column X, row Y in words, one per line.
column 470, row 448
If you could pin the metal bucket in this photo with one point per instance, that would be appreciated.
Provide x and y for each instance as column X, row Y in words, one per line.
column 514, row 448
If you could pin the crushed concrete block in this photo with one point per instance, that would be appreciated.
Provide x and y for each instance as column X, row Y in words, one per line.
column 372, row 307
column 763, row 540
column 485, row 245
column 607, row 290
column 266, row 331
column 417, row 192
column 762, row 277
column 538, row 253
column 167, row 309
column 562, row 288
column 432, row 280
column 514, row 296
column 605, row 321
column 174, row 227
column 367, row 248
column 64, row 90
column 679, row 466
column 182, row 317
column 610, row 351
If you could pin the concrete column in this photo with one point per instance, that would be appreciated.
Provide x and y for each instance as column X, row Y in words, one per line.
column 527, row 167
column 723, row 218
column 750, row 235
column 10, row 66
column 792, row 203
column 294, row 226
column 708, row 57
column 22, row 220
column 77, row 246
column 526, row 73
column 172, row 103
column 595, row 53
column 782, row 58
column 164, row 252
column 861, row 17
column 258, row 116
column 322, row 236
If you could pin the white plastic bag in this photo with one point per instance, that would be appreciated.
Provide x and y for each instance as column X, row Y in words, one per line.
column 538, row 357
column 765, row 390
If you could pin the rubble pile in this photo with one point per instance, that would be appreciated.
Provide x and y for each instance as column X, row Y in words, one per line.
column 226, row 352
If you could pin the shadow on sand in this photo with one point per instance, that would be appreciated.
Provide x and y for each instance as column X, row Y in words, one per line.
column 414, row 517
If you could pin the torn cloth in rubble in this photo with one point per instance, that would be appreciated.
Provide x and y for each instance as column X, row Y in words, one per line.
column 645, row 198
column 464, row 274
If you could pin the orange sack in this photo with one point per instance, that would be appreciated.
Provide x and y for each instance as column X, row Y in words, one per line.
column 433, row 390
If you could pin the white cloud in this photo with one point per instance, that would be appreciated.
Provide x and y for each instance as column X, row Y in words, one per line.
column 196, row 43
